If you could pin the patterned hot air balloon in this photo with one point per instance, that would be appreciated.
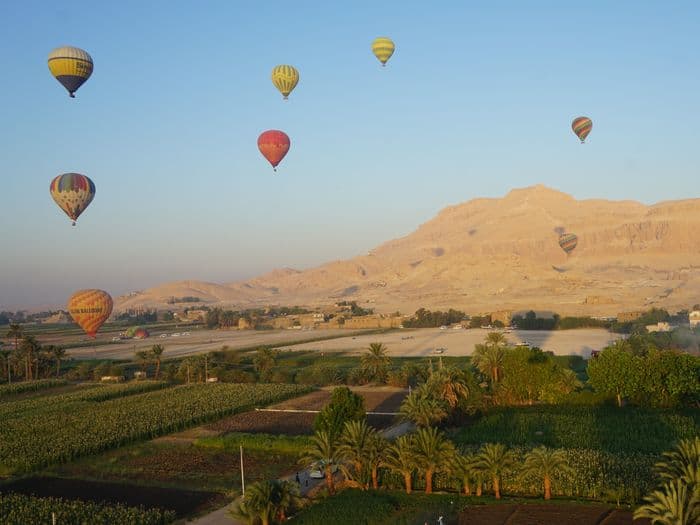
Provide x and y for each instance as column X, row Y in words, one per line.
column 383, row 48
column 90, row 309
column 274, row 145
column 285, row 78
column 568, row 242
column 582, row 127
column 71, row 66
column 73, row 193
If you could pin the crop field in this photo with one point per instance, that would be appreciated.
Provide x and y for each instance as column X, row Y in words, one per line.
column 629, row 430
column 95, row 494
column 377, row 399
column 546, row 514
column 42, row 431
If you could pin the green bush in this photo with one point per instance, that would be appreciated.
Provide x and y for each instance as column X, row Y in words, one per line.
column 29, row 386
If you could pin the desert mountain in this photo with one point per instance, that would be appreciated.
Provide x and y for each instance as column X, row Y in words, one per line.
column 495, row 254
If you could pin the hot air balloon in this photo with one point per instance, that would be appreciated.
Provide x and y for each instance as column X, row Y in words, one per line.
column 71, row 66
column 73, row 193
column 582, row 127
column 285, row 78
column 383, row 48
column 274, row 145
column 90, row 309
column 568, row 242
column 141, row 333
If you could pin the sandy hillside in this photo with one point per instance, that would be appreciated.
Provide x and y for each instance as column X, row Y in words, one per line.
column 491, row 254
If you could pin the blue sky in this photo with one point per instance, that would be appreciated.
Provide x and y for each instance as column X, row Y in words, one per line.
column 477, row 99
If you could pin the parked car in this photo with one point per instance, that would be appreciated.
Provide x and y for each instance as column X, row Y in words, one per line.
column 317, row 470
column 176, row 334
column 163, row 336
column 116, row 338
column 185, row 333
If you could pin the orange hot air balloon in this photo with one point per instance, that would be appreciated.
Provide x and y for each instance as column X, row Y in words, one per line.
column 90, row 309
column 274, row 145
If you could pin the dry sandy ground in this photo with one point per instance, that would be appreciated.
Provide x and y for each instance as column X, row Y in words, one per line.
column 199, row 341
column 424, row 341
column 401, row 343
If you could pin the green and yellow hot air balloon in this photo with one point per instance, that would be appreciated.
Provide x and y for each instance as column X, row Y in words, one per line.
column 71, row 66
column 383, row 48
column 285, row 78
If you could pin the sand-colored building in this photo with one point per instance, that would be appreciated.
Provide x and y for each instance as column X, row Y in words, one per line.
column 627, row 317
column 504, row 316
column 694, row 318
column 373, row 321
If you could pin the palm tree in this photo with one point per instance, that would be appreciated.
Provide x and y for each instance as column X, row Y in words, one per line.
column 682, row 463
column 489, row 361
column 16, row 332
column 421, row 409
column 157, row 352
column 58, row 353
column 448, row 384
column 257, row 504
column 467, row 474
column 546, row 463
column 354, row 446
column 375, row 455
column 492, row 461
column 29, row 347
column 400, row 457
column 495, row 340
column 675, row 504
column 143, row 357
column 324, row 450
column 286, row 497
column 375, row 362
column 263, row 361
column 433, row 453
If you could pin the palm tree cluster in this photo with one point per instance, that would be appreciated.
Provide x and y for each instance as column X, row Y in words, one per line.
column 360, row 452
column 28, row 359
column 677, row 500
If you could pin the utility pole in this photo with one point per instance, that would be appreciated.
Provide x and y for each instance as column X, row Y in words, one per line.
column 206, row 368
column 242, row 475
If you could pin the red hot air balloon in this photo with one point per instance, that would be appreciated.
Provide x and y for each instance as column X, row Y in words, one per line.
column 274, row 145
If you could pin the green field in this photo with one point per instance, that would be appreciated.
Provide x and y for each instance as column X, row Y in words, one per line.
column 54, row 429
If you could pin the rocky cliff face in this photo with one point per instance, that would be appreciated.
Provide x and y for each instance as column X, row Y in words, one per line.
column 493, row 254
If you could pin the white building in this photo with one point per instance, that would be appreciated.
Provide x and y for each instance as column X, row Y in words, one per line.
column 658, row 327
column 694, row 318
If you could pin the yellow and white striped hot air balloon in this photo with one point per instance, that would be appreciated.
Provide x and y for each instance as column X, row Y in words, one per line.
column 285, row 78
column 71, row 66
column 383, row 48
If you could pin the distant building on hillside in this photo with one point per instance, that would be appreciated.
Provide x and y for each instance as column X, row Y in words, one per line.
column 694, row 318
column 504, row 316
column 658, row 327
column 627, row 317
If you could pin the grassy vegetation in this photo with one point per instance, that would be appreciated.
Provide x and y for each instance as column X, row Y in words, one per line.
column 268, row 443
column 16, row 509
column 583, row 427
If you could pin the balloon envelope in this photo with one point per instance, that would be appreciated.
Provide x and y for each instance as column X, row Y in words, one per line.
column 274, row 145
column 73, row 193
column 285, row 79
column 568, row 242
column 90, row 309
column 582, row 127
column 71, row 66
column 383, row 48
column 141, row 333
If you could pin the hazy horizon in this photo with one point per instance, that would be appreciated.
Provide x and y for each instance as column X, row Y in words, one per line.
column 476, row 101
